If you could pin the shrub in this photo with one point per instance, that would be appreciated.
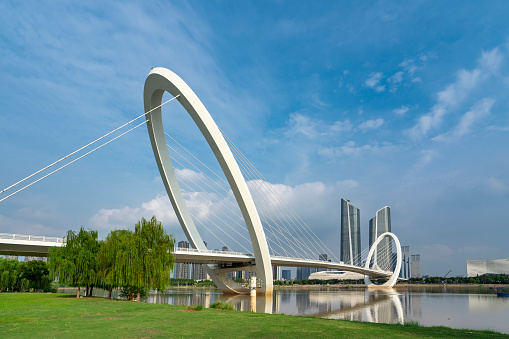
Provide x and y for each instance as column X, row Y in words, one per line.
column 195, row 308
column 221, row 305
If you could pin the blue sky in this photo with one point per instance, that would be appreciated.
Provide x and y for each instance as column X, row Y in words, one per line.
column 383, row 103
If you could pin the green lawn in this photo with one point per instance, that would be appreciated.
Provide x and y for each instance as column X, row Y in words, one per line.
column 36, row 315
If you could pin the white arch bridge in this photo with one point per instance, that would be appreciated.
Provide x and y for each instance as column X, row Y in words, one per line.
column 238, row 203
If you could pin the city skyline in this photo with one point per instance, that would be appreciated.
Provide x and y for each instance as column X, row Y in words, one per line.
column 384, row 103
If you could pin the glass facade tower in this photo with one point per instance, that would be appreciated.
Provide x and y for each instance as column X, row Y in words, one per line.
column 378, row 225
column 350, row 233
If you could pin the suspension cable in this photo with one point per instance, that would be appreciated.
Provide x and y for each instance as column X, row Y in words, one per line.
column 76, row 151
column 84, row 155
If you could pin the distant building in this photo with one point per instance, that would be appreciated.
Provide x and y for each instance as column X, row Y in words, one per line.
column 232, row 274
column 480, row 267
column 416, row 266
column 199, row 272
column 350, row 233
column 286, row 274
column 405, row 263
column 183, row 271
column 303, row 273
column 378, row 225
column 276, row 272
column 28, row 258
column 11, row 257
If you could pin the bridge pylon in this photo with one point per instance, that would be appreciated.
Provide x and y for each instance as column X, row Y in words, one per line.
column 161, row 80
column 394, row 278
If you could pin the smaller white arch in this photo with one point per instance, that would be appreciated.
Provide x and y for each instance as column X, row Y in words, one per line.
column 394, row 277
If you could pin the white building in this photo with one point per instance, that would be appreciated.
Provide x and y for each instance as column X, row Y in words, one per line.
column 480, row 267
column 340, row 275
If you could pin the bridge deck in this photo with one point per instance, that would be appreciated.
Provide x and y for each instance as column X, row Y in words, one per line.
column 23, row 245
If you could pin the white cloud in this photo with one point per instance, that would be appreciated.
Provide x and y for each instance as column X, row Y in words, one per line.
column 371, row 124
column 480, row 110
column 312, row 128
column 351, row 149
column 374, row 80
column 455, row 93
column 315, row 202
column 401, row 111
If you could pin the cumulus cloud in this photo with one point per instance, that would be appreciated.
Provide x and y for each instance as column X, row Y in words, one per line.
column 315, row 202
column 455, row 93
column 371, row 124
column 374, row 81
column 401, row 111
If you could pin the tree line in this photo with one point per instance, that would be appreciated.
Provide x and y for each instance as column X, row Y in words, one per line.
column 133, row 261
column 17, row 276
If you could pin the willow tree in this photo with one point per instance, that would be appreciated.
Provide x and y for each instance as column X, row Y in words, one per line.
column 75, row 263
column 10, row 275
column 149, row 257
column 114, row 250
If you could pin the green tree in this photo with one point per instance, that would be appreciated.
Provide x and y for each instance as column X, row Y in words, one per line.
column 10, row 274
column 112, row 252
column 37, row 273
column 149, row 257
column 75, row 263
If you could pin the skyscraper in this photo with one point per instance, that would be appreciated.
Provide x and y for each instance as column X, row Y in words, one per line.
column 287, row 275
column 378, row 225
column 276, row 272
column 405, row 262
column 416, row 265
column 350, row 233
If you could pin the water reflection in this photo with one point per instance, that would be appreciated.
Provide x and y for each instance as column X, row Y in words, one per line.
column 453, row 306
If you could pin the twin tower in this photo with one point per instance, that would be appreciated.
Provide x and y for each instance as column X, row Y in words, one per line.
column 351, row 233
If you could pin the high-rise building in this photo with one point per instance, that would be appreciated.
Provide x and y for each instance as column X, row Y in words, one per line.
column 286, row 274
column 183, row 271
column 405, row 262
column 303, row 273
column 416, row 265
column 276, row 272
column 350, row 233
column 378, row 225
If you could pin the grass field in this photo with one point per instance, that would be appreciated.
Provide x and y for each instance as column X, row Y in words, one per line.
column 38, row 315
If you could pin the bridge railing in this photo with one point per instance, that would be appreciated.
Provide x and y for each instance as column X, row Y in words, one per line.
column 211, row 251
column 30, row 237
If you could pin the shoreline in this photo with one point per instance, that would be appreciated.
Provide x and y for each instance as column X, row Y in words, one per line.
column 59, row 315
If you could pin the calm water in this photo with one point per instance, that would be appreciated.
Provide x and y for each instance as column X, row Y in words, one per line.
column 458, row 307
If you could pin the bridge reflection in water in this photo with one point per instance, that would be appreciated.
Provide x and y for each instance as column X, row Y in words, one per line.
column 381, row 306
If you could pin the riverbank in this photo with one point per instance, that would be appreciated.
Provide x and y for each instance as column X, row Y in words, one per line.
column 58, row 315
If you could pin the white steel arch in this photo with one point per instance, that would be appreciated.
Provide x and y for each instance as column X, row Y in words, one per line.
column 158, row 81
column 394, row 278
